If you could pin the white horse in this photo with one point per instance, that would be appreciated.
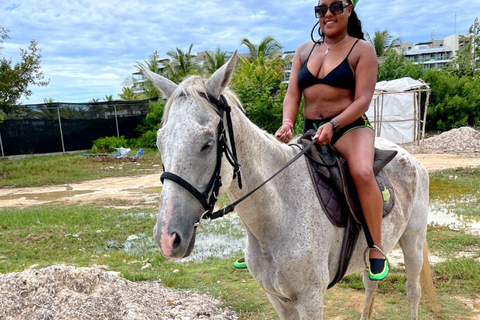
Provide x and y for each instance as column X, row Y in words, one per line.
column 292, row 248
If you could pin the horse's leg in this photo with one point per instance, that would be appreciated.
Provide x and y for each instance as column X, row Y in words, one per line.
column 371, row 288
column 308, row 306
column 284, row 308
column 412, row 247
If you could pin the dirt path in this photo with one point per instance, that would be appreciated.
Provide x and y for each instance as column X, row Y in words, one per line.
column 147, row 188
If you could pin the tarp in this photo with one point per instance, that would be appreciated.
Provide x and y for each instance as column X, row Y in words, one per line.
column 395, row 109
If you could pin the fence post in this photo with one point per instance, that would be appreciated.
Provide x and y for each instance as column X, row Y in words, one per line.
column 60, row 126
column 116, row 120
column 1, row 145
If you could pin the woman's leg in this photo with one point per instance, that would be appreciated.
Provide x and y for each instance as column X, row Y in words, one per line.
column 357, row 147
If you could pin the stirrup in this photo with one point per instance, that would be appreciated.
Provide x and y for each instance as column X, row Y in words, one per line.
column 376, row 276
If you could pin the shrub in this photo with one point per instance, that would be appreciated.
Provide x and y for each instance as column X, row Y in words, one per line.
column 108, row 144
column 147, row 140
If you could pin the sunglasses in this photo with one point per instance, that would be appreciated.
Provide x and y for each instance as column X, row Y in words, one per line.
column 335, row 8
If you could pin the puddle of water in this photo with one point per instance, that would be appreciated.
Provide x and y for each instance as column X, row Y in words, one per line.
column 443, row 214
column 445, row 200
column 223, row 238
column 442, row 190
column 46, row 196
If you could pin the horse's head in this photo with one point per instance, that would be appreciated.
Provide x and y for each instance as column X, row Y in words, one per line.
column 188, row 142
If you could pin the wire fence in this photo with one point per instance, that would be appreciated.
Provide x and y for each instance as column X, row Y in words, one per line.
column 62, row 127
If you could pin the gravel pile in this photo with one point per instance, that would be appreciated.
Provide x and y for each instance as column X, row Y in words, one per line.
column 464, row 140
column 63, row 292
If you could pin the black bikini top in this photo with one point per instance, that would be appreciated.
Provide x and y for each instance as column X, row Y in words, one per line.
column 342, row 76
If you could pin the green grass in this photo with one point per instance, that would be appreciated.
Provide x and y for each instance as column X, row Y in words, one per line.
column 70, row 168
column 445, row 242
column 90, row 236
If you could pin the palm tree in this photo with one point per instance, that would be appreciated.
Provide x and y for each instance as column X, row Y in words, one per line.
column 129, row 95
column 267, row 48
column 213, row 61
column 181, row 64
column 108, row 98
column 382, row 42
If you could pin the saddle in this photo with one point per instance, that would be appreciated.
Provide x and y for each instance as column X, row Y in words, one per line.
column 337, row 193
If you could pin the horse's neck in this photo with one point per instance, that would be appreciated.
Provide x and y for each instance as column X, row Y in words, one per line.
column 260, row 158
column 257, row 153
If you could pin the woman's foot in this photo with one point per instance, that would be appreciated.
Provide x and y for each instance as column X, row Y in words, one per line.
column 240, row 264
column 378, row 269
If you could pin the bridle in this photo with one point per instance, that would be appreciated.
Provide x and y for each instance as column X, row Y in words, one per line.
column 208, row 198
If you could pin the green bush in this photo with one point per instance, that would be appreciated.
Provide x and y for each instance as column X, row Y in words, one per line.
column 258, row 85
column 147, row 140
column 455, row 102
column 152, row 120
column 108, row 144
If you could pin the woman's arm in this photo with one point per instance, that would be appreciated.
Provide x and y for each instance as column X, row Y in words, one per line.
column 291, row 103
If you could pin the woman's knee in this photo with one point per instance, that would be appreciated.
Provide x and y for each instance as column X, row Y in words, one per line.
column 362, row 174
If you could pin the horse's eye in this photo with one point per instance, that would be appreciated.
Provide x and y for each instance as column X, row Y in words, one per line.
column 207, row 146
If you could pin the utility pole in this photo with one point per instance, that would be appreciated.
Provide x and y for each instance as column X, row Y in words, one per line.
column 475, row 27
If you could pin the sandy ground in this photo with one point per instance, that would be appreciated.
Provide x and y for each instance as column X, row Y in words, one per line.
column 147, row 188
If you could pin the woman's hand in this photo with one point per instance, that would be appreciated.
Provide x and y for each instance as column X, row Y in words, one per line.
column 284, row 133
column 324, row 134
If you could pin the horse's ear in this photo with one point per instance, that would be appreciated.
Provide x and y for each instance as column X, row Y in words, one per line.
column 163, row 84
column 221, row 78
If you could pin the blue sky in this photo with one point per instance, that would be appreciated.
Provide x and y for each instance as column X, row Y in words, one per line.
column 89, row 47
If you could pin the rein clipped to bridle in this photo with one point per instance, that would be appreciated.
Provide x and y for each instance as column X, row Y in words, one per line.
column 209, row 197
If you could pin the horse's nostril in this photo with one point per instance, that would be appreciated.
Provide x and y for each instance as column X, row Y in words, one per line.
column 177, row 241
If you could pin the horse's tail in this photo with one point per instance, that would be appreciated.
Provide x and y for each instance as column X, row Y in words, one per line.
column 426, row 280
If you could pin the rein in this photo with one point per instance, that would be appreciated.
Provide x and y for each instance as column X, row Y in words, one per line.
column 209, row 197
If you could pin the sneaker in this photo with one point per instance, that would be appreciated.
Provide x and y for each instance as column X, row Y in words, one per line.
column 378, row 269
column 240, row 264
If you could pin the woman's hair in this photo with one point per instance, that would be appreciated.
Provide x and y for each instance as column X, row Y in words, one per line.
column 354, row 27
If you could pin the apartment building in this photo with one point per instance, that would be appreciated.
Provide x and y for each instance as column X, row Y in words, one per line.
column 434, row 53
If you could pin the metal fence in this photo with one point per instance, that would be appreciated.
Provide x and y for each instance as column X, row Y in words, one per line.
column 61, row 127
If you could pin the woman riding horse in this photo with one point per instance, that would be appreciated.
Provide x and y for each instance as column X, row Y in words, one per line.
column 337, row 78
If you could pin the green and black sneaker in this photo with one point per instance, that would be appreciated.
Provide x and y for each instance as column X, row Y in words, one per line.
column 378, row 269
column 240, row 264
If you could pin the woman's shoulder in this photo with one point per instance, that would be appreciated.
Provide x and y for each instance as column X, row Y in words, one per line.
column 364, row 45
column 304, row 49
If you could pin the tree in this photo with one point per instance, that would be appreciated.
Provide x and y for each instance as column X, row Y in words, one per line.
column 258, row 84
column 266, row 48
column 108, row 98
column 213, row 61
column 467, row 61
column 15, row 80
column 128, row 95
column 182, row 64
column 382, row 42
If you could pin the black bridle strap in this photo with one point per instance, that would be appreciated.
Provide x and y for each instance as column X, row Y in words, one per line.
column 186, row 185
column 231, row 154
column 220, row 213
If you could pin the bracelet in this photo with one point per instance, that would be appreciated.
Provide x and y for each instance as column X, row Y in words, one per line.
column 289, row 122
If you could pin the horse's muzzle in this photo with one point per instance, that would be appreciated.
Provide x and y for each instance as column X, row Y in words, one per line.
column 174, row 245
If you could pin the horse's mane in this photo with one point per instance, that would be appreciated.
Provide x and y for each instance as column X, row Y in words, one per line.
column 192, row 86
